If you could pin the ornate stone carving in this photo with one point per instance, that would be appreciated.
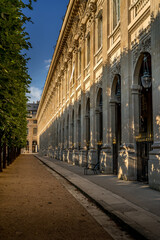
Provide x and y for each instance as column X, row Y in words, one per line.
column 82, row 30
column 75, row 45
column 70, row 39
column 116, row 69
column 75, row 24
column 69, row 56
column 98, row 85
column 93, row 7
column 83, row 27
column 143, row 46
column 99, row 79
column 82, row 8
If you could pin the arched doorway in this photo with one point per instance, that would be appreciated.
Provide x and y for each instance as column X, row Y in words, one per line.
column 59, row 143
column 79, row 127
column 67, row 131
column 34, row 146
column 72, row 127
column 63, row 135
column 99, row 122
column 116, row 121
column 88, row 123
column 27, row 146
column 145, row 138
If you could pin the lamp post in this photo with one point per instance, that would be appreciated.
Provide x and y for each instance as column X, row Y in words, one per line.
column 146, row 78
column 118, row 89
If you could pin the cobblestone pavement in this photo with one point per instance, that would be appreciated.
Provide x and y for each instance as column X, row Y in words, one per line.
column 35, row 205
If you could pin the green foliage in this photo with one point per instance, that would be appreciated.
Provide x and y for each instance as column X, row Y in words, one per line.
column 14, row 78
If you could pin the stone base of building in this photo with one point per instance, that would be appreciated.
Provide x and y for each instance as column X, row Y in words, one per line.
column 92, row 156
column 70, row 156
column 75, row 157
column 127, row 163
column 83, row 157
column 50, row 153
column 154, row 167
column 106, row 160
column 56, row 155
column 60, row 154
column 65, row 155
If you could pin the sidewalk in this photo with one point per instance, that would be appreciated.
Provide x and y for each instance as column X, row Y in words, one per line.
column 133, row 203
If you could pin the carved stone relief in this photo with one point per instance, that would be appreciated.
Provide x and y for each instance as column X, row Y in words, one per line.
column 82, row 8
column 98, row 85
column 92, row 7
column 143, row 46
column 116, row 69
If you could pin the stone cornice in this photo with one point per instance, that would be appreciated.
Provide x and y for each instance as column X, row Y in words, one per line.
column 62, row 36
column 82, row 10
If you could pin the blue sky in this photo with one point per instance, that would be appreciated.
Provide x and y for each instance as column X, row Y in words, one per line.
column 47, row 17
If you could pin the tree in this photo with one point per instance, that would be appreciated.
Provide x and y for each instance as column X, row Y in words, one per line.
column 14, row 78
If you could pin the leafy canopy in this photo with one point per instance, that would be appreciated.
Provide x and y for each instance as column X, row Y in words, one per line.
column 14, row 77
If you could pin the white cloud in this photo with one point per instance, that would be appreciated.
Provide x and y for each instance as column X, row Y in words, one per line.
column 48, row 61
column 47, row 67
column 35, row 94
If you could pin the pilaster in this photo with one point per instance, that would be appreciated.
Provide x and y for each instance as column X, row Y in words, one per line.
column 154, row 158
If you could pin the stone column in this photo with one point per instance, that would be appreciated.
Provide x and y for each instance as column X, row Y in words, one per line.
column 135, row 111
column 127, row 150
column 75, row 149
column 106, row 157
column 82, row 156
column 70, row 135
column 92, row 154
column 154, row 158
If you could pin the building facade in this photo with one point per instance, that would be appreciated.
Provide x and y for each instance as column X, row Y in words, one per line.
column 101, row 99
column 31, row 146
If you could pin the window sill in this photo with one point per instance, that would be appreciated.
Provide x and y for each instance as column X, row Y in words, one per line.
column 115, row 30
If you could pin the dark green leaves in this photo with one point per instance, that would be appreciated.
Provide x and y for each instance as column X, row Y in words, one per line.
column 14, row 78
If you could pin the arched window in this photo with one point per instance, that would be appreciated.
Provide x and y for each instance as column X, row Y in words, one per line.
column 100, row 31
column 79, row 62
column 99, row 117
column 116, row 12
column 88, row 48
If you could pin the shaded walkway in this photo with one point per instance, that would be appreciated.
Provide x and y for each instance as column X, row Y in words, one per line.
column 34, row 205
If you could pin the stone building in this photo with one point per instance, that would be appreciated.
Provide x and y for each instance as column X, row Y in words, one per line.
column 101, row 99
column 31, row 146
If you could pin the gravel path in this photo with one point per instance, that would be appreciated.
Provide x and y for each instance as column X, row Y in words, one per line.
column 34, row 205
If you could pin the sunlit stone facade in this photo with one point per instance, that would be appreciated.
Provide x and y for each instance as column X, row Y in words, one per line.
column 31, row 146
column 94, row 107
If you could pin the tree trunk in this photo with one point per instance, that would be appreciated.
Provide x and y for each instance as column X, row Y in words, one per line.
column 9, row 156
column 0, row 156
column 14, row 153
column 4, row 155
